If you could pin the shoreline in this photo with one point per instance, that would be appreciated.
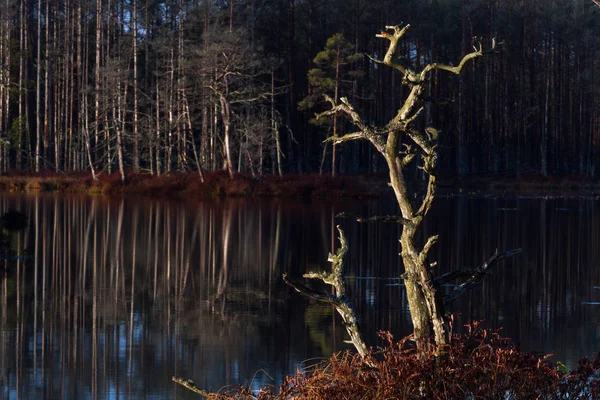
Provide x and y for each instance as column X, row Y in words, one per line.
column 189, row 185
column 307, row 186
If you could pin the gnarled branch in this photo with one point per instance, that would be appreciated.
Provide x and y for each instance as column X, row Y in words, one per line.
column 428, row 245
column 339, row 300
column 394, row 38
column 430, row 193
column 366, row 131
column 422, row 140
column 479, row 51
column 346, row 138
column 476, row 275
column 346, row 108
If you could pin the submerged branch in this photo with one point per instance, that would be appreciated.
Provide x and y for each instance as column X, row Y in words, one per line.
column 476, row 275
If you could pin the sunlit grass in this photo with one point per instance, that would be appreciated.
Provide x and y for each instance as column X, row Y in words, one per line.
column 215, row 184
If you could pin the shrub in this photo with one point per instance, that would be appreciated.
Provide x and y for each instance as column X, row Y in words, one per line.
column 479, row 364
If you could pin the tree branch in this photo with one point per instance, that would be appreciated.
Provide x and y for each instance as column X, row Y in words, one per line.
column 389, row 55
column 346, row 138
column 346, row 108
column 431, row 186
column 457, row 70
column 192, row 386
column 379, row 218
column 476, row 276
column 428, row 245
column 313, row 294
column 420, row 139
column 366, row 132
column 339, row 300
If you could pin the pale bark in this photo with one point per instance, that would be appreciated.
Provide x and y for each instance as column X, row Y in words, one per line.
column 38, row 112
column 136, row 136
column 275, row 125
column 4, row 71
column 342, row 304
column 97, row 81
column 226, row 117
column 46, row 126
column 20, row 105
column 158, row 131
column 119, row 128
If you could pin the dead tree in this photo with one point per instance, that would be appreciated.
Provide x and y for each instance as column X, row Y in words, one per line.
column 419, row 145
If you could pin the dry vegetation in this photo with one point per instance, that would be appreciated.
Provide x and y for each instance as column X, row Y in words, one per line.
column 215, row 184
column 479, row 364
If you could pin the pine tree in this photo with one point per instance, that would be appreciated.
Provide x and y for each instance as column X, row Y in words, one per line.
column 333, row 78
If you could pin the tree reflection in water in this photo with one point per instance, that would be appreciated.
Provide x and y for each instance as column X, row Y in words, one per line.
column 121, row 294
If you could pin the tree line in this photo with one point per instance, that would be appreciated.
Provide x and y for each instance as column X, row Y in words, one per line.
column 180, row 85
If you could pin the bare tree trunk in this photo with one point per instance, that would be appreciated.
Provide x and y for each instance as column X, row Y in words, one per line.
column 274, row 124
column 97, row 81
column 335, row 120
column 8, row 83
column 38, row 111
column 70, row 76
column 169, row 136
column 22, row 54
column 206, row 133
column 231, row 15
column 136, row 138
column 47, row 131
column 158, row 133
column 4, row 78
column 119, row 129
column 226, row 117
column 192, row 139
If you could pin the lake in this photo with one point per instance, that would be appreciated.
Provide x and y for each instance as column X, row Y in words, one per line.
column 111, row 297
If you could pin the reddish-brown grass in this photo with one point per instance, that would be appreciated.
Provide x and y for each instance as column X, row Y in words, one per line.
column 479, row 364
column 215, row 184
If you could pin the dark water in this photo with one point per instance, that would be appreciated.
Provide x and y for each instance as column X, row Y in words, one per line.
column 115, row 296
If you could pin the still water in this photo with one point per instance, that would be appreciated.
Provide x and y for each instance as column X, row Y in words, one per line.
column 114, row 296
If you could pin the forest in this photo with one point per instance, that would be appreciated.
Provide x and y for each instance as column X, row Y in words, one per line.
column 158, row 86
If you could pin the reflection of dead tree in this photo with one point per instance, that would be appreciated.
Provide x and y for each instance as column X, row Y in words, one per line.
column 339, row 299
column 223, row 273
